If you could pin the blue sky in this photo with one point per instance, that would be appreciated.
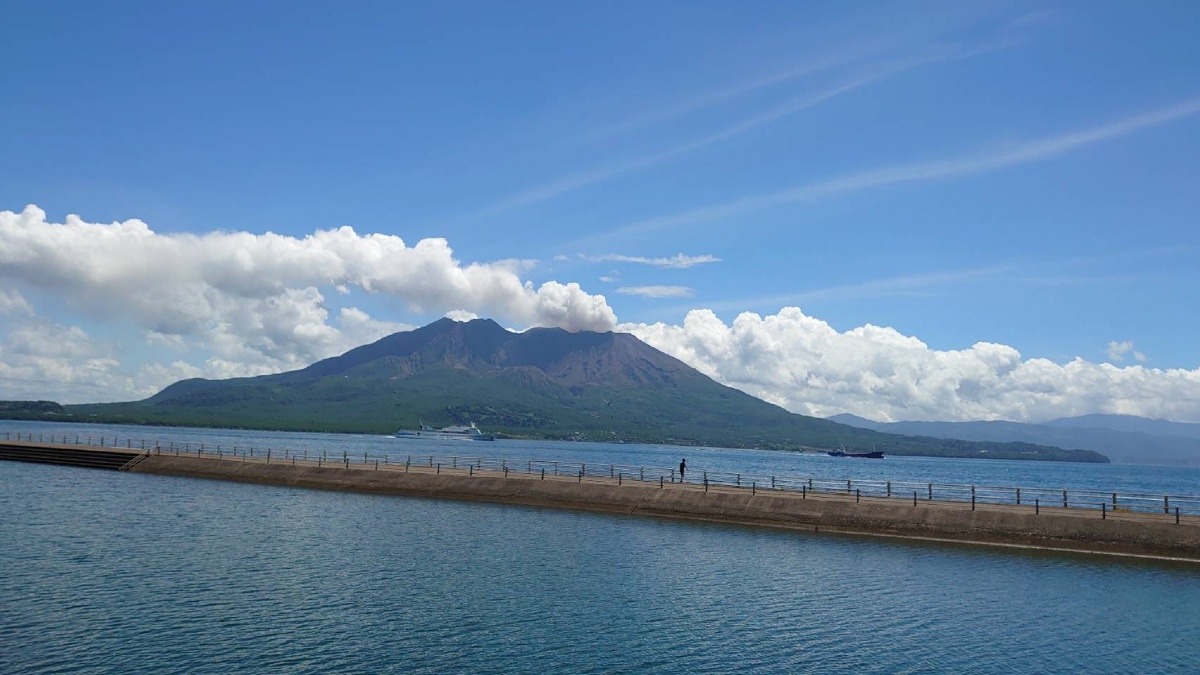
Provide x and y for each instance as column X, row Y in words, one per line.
column 1020, row 174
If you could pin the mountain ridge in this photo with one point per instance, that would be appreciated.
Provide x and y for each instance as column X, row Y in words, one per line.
column 1123, row 438
column 543, row 383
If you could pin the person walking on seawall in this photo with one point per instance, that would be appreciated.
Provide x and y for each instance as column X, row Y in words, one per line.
column 682, row 468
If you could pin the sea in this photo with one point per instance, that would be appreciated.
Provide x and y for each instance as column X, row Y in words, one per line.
column 108, row 572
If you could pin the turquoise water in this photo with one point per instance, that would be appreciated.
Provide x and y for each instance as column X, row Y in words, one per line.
column 107, row 572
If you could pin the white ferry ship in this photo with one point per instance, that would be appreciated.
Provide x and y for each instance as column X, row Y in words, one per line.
column 462, row 432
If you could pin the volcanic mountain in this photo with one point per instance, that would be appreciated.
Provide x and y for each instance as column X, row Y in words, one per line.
column 542, row 383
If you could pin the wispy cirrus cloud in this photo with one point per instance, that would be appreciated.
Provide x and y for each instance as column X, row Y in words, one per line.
column 1045, row 273
column 917, row 172
column 912, row 284
column 865, row 75
column 677, row 261
column 658, row 291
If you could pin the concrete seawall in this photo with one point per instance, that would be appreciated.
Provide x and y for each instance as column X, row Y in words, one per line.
column 1081, row 530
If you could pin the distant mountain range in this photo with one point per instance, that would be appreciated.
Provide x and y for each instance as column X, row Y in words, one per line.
column 542, row 383
column 1123, row 438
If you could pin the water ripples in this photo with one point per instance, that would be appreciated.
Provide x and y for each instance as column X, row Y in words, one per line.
column 111, row 572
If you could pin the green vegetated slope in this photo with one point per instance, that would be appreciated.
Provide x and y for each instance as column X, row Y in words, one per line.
column 543, row 383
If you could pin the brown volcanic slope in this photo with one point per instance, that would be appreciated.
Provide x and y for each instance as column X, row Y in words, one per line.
column 545, row 382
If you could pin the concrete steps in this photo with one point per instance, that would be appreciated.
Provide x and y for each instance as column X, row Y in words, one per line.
column 66, row 455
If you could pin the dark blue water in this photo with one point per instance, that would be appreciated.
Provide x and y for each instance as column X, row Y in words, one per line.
column 112, row 572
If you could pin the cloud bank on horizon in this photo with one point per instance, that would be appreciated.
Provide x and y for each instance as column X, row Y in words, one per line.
column 255, row 304
column 804, row 365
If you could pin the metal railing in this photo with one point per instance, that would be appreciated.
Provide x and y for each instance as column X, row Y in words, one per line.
column 1105, row 502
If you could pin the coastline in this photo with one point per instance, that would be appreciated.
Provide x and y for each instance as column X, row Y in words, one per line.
column 1133, row 534
column 1138, row 535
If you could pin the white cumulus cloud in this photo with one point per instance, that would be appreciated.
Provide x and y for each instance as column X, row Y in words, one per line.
column 12, row 302
column 806, row 366
column 259, row 297
column 58, row 362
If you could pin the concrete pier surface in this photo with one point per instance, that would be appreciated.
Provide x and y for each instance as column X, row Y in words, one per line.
column 1125, row 533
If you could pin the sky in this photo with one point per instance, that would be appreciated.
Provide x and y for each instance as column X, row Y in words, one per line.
column 901, row 210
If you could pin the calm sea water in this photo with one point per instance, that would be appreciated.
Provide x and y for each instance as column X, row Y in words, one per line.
column 109, row 572
column 1125, row 478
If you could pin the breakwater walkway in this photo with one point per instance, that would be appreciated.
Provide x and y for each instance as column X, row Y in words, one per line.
column 935, row 513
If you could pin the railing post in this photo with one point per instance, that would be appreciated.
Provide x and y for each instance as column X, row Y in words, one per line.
column 752, row 487
column 1103, row 511
column 543, row 473
column 706, row 481
column 857, row 495
column 889, row 488
column 1037, row 506
column 1064, row 499
column 772, row 482
column 1176, row 515
column 931, row 492
column 438, row 471
column 914, row 497
column 660, row 482
column 803, row 492
column 619, row 479
column 1166, row 502
column 972, row 500
column 1018, row 496
column 470, row 469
